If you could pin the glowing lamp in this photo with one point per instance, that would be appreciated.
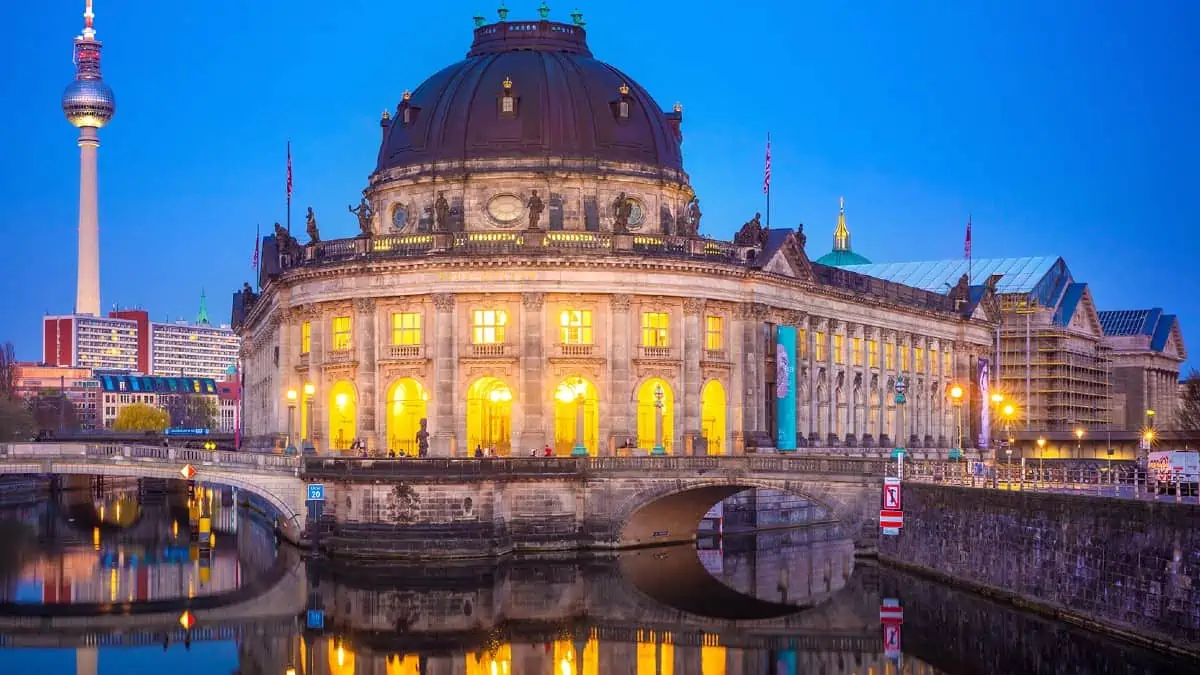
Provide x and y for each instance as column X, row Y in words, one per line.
column 341, row 399
column 1079, row 433
column 997, row 398
column 956, row 392
column 309, row 389
column 1008, row 410
column 292, row 395
column 1041, row 443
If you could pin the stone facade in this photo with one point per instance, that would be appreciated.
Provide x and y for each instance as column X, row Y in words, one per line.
column 1124, row 564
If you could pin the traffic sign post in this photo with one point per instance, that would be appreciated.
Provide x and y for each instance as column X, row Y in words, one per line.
column 891, row 521
column 891, row 615
column 188, row 472
column 316, row 492
column 891, row 493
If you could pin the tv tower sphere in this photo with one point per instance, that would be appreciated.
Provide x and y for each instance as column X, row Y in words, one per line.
column 88, row 103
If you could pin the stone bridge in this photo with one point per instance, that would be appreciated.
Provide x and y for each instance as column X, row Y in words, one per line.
column 471, row 508
column 273, row 478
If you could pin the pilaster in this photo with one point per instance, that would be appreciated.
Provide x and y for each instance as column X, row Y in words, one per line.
column 444, row 376
column 533, row 368
column 693, row 342
column 622, row 406
column 364, row 327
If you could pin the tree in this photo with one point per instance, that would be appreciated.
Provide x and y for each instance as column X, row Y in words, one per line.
column 16, row 422
column 1189, row 406
column 141, row 417
column 192, row 411
column 8, row 371
column 53, row 411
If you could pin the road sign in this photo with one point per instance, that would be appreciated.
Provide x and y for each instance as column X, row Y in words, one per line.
column 890, row 611
column 187, row 620
column 901, row 385
column 316, row 619
column 889, row 518
column 316, row 492
column 891, row 493
column 188, row 472
column 891, row 640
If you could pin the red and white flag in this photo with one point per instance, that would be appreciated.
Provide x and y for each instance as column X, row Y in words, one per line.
column 767, row 169
column 289, row 180
column 967, row 245
column 257, row 238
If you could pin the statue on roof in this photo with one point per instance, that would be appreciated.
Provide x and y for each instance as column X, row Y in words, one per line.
column 801, row 238
column 689, row 220
column 365, row 214
column 310, row 225
column 752, row 233
column 285, row 243
column 622, row 210
column 535, row 206
column 247, row 295
column 441, row 213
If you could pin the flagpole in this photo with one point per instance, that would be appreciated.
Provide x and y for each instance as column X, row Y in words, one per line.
column 768, row 180
column 289, row 187
column 970, row 252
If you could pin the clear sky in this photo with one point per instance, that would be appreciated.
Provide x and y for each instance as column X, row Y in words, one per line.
column 1065, row 128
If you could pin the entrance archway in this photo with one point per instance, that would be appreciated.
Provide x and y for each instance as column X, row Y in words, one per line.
column 407, row 405
column 566, row 404
column 647, row 396
column 489, row 416
column 343, row 415
column 712, row 416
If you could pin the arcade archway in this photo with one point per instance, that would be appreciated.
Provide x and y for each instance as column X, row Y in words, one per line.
column 343, row 411
column 712, row 417
column 489, row 416
column 407, row 405
column 653, row 391
column 568, row 396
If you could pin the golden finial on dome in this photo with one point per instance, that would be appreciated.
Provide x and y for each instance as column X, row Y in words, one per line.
column 406, row 95
column 507, row 83
column 678, row 107
column 624, row 89
column 387, row 115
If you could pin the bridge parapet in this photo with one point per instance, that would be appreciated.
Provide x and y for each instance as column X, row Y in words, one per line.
column 41, row 451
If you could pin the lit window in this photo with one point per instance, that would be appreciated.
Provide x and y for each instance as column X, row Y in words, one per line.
column 889, row 356
column 872, row 354
column 575, row 326
column 933, row 361
column 803, row 343
column 947, row 362
column 488, row 326
column 839, row 356
column 820, row 344
column 305, row 337
column 856, row 351
column 655, row 329
column 406, row 328
column 714, row 333
column 341, row 333
column 506, row 104
column 920, row 354
column 904, row 364
column 623, row 109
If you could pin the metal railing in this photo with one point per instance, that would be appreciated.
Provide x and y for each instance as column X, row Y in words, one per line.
column 1120, row 482
column 146, row 453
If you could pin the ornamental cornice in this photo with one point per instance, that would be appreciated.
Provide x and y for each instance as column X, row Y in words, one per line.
column 443, row 302
column 620, row 302
column 533, row 301
column 753, row 311
column 364, row 305
column 692, row 306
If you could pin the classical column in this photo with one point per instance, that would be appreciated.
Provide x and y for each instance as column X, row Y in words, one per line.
column 621, row 404
column 831, row 326
column 853, row 434
column 533, row 368
column 886, row 394
column 366, row 354
column 693, row 343
column 754, row 314
column 919, row 390
column 864, row 431
column 810, row 339
column 316, row 375
column 737, row 384
column 444, row 377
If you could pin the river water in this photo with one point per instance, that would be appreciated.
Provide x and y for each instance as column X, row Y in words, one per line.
column 136, row 576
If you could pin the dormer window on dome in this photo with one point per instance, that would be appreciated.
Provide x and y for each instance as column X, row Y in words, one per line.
column 508, row 102
column 623, row 103
column 407, row 112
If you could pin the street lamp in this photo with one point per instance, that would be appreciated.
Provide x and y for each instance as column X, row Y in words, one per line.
column 956, row 394
column 658, row 448
column 1041, row 455
column 291, row 398
column 574, row 393
column 997, row 399
column 1079, row 442
column 310, row 391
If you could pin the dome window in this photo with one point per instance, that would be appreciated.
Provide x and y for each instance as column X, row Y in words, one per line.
column 623, row 104
column 408, row 112
column 508, row 102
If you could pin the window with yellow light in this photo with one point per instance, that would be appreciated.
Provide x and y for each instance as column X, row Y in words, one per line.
column 905, row 364
column 803, row 346
column 714, row 333
column 872, row 354
column 575, row 326
column 406, row 328
column 820, row 344
column 839, row 354
column 341, row 333
column 856, row 356
column 919, row 354
column 487, row 326
column 889, row 356
column 656, row 328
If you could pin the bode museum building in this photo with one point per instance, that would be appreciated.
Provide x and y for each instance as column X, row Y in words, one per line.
column 528, row 273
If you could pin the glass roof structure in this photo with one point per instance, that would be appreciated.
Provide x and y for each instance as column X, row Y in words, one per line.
column 1129, row 321
column 1017, row 275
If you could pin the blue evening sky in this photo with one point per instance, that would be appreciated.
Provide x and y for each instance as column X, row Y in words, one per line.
column 1065, row 127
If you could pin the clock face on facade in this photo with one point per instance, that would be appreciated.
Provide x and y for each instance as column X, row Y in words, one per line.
column 505, row 209
column 399, row 217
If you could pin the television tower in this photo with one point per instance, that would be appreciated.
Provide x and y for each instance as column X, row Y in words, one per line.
column 88, row 104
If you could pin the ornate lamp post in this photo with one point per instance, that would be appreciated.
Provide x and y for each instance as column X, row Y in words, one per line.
column 291, row 398
column 956, row 394
column 310, row 391
column 658, row 448
column 1041, row 455
column 997, row 399
column 1079, row 442
column 574, row 393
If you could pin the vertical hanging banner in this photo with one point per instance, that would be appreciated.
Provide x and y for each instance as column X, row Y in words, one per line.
column 985, row 397
column 785, row 388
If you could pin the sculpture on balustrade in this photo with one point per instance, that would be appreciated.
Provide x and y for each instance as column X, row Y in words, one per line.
column 285, row 243
column 441, row 213
column 248, row 296
column 622, row 210
column 689, row 219
column 753, row 233
column 423, row 439
column 310, row 224
column 365, row 214
column 535, row 207
column 801, row 238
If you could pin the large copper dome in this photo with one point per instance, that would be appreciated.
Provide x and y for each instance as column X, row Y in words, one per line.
column 564, row 104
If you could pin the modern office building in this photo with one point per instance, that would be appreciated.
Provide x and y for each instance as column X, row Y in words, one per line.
column 92, row 342
column 76, row 385
column 173, row 394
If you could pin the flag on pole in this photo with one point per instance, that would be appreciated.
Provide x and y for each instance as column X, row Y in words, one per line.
column 767, row 169
column 967, row 245
column 289, row 180
column 257, row 238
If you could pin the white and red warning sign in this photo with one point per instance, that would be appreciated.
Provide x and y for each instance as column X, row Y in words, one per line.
column 890, row 611
column 891, row 493
column 891, row 615
column 891, row 520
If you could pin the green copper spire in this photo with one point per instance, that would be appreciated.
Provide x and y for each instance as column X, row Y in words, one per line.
column 577, row 17
column 502, row 12
column 479, row 20
column 202, row 317
column 544, row 10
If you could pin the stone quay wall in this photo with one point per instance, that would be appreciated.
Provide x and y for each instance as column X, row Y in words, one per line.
column 1124, row 566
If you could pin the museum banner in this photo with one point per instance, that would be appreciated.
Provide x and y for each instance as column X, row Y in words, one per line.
column 785, row 388
column 985, row 407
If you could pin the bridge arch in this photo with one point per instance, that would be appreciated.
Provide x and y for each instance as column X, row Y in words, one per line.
column 669, row 511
